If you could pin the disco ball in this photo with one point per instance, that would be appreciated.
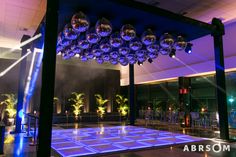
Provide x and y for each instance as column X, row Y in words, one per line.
column 106, row 57
column 135, row 44
column 69, row 33
column 153, row 48
column 165, row 51
column 99, row 60
column 128, row 32
column 124, row 63
column 105, row 46
column 114, row 54
column 65, row 56
column 61, row 40
column 83, row 44
column 152, row 55
column 89, row 55
column 77, row 50
column 180, row 43
column 59, row 48
column 124, row 50
column 92, row 37
column 103, row 27
column 113, row 61
column 148, row 37
column 140, row 53
column 166, row 40
column 130, row 56
column 132, row 61
column 141, row 59
column 83, row 58
column 122, row 59
column 116, row 40
column 80, row 22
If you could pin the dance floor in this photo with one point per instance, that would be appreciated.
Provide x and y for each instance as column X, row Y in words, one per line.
column 102, row 140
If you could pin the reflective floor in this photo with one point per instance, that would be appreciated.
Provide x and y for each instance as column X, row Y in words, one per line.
column 101, row 140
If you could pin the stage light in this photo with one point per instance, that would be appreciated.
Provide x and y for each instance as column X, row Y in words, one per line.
column 172, row 53
column 188, row 48
column 150, row 60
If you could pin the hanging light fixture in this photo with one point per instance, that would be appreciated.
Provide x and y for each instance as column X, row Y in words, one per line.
column 148, row 37
column 166, row 40
column 116, row 40
column 128, row 32
column 180, row 43
column 80, row 22
column 135, row 44
column 103, row 27
column 69, row 33
column 92, row 37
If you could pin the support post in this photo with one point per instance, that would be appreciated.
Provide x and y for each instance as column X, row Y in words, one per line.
column 220, row 78
column 21, row 83
column 131, row 95
column 48, row 79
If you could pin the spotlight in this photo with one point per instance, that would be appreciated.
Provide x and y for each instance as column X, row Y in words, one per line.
column 150, row 60
column 172, row 53
column 188, row 48
column 140, row 63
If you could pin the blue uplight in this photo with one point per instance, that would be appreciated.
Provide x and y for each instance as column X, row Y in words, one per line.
column 21, row 113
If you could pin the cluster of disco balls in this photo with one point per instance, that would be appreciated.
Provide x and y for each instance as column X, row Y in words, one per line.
column 100, row 43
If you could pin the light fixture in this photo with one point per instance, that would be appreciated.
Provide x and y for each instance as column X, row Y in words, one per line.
column 78, row 39
column 188, row 48
column 172, row 53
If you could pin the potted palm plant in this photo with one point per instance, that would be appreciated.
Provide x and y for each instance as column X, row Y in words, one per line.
column 77, row 100
column 10, row 107
column 101, row 108
column 123, row 108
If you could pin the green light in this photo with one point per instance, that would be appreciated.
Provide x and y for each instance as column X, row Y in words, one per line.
column 231, row 100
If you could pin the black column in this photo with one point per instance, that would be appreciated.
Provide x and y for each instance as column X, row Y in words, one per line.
column 21, row 83
column 131, row 95
column 48, row 80
column 220, row 78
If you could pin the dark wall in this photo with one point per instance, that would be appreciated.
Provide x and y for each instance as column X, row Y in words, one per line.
column 90, row 81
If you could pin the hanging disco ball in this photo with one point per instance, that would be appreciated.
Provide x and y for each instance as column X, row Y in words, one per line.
column 140, row 53
column 165, row 51
column 124, row 63
column 90, row 55
column 166, row 40
column 141, row 59
column 92, row 37
column 105, row 46
column 124, row 50
column 148, row 37
column 59, row 48
column 122, row 59
column 83, row 44
column 61, row 40
column 132, row 61
column 103, row 27
column 65, row 56
column 69, row 33
column 99, row 60
column 80, row 22
column 106, row 57
column 152, row 55
column 113, row 61
column 116, row 40
column 97, row 51
column 83, row 58
column 128, row 32
column 77, row 50
column 180, row 43
column 153, row 48
column 114, row 54
column 135, row 44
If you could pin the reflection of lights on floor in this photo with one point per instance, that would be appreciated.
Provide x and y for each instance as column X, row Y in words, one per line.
column 102, row 139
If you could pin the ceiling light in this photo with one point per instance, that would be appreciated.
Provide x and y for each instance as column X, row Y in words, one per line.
column 188, row 48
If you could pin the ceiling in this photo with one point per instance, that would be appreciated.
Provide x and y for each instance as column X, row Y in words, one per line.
column 18, row 17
